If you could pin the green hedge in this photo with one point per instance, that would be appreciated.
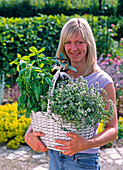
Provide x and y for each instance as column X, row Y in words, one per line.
column 31, row 8
column 17, row 35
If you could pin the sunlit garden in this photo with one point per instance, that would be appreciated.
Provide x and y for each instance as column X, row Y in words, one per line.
column 37, row 23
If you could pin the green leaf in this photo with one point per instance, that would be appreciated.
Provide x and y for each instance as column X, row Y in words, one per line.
column 41, row 65
column 38, row 70
column 18, row 106
column 41, row 55
column 37, row 92
column 29, row 104
column 32, row 63
column 43, row 105
column 42, row 74
column 48, row 80
column 32, row 99
column 72, row 68
column 22, row 98
column 27, row 114
column 32, row 54
column 41, row 50
column 61, row 56
column 18, row 56
column 21, row 106
column 18, row 68
column 62, row 64
column 14, row 62
column 33, row 50
column 23, row 65
column 18, row 79
column 26, row 58
column 36, row 108
column 22, row 72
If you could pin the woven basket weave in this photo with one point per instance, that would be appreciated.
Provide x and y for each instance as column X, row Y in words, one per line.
column 44, row 122
column 52, row 129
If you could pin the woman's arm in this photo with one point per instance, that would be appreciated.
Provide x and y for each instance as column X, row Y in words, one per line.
column 32, row 139
column 111, row 129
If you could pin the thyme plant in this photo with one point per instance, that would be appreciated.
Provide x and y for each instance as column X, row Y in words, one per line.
column 78, row 104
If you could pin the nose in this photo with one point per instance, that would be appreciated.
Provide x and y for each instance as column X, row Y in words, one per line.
column 73, row 47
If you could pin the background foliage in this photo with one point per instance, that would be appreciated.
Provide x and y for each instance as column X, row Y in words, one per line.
column 13, row 125
column 28, row 8
column 17, row 35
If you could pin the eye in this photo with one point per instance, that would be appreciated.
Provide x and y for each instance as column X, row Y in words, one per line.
column 80, row 42
column 67, row 42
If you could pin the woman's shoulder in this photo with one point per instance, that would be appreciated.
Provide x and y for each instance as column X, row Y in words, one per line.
column 103, row 75
column 99, row 76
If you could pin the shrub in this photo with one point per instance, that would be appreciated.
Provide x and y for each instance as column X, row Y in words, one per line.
column 11, row 94
column 13, row 125
column 116, row 29
column 30, row 8
column 114, row 67
column 120, row 8
column 120, row 128
column 17, row 35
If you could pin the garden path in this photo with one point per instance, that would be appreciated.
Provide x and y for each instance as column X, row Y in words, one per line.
column 24, row 158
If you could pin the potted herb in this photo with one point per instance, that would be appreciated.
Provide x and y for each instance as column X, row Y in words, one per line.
column 34, row 80
column 76, row 103
column 35, row 77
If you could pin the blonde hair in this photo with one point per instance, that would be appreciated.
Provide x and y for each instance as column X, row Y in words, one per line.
column 69, row 30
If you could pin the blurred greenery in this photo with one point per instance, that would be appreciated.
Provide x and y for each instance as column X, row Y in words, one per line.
column 26, row 23
column 18, row 34
column 30, row 8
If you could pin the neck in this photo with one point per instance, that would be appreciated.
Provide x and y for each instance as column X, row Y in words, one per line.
column 80, row 70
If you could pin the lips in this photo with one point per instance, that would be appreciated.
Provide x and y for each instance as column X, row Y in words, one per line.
column 75, row 54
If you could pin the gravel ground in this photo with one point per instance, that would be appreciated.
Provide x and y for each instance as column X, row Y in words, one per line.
column 26, row 159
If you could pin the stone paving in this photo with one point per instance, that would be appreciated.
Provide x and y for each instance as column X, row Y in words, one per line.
column 24, row 158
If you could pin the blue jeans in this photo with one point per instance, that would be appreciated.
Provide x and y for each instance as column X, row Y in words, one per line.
column 79, row 161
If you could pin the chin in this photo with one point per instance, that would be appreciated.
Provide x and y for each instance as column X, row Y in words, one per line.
column 75, row 61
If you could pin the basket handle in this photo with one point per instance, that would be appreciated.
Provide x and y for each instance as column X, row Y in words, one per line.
column 55, row 78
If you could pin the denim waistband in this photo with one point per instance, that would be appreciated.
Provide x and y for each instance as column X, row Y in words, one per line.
column 59, row 153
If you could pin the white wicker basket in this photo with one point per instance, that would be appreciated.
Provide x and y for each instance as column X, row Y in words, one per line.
column 44, row 122
column 52, row 129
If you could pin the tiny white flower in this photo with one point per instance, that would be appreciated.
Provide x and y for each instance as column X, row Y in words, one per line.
column 22, row 61
column 88, row 110
column 65, row 106
column 85, row 113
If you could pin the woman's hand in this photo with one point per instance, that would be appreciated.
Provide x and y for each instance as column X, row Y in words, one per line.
column 75, row 145
column 32, row 139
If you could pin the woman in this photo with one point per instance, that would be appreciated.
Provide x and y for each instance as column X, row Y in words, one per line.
column 78, row 45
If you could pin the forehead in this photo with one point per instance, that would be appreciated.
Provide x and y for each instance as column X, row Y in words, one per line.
column 76, row 35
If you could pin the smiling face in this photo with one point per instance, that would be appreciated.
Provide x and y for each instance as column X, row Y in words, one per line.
column 76, row 49
column 78, row 44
